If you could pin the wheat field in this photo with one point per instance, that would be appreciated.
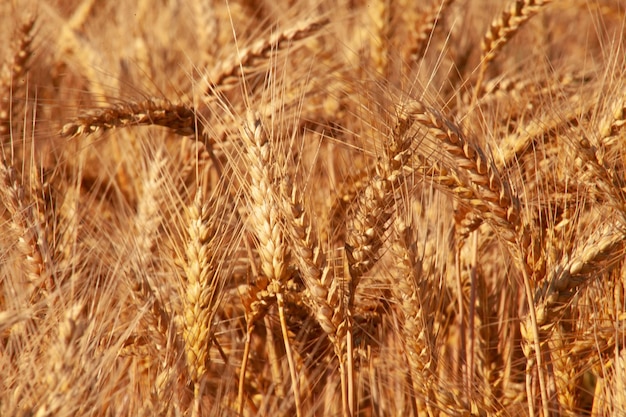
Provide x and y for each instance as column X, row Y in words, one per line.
column 313, row 208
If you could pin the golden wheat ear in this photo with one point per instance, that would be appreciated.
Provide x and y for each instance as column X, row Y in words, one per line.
column 261, row 52
column 423, row 30
column 501, row 30
column 201, row 294
column 461, row 167
column 266, row 222
column 27, row 229
column 158, row 112
column 11, row 77
column 416, row 328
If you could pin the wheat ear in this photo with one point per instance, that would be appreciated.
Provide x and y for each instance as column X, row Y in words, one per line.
column 306, row 254
column 366, row 229
column 376, row 201
column 613, row 124
column 347, row 191
column 265, row 220
column 501, row 30
column 76, row 50
column 379, row 15
column 515, row 145
column 423, row 31
column 32, row 243
column 201, row 297
column 600, row 250
column 160, row 112
column 466, row 172
column 261, row 51
column 416, row 326
column 64, row 363
column 206, row 25
column 147, row 294
column 12, row 73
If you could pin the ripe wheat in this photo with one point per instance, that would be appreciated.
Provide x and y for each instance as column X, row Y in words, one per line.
column 312, row 208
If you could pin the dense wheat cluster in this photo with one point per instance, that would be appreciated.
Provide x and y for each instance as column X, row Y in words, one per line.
column 312, row 208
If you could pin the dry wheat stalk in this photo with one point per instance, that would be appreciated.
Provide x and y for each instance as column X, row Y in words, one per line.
column 160, row 112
